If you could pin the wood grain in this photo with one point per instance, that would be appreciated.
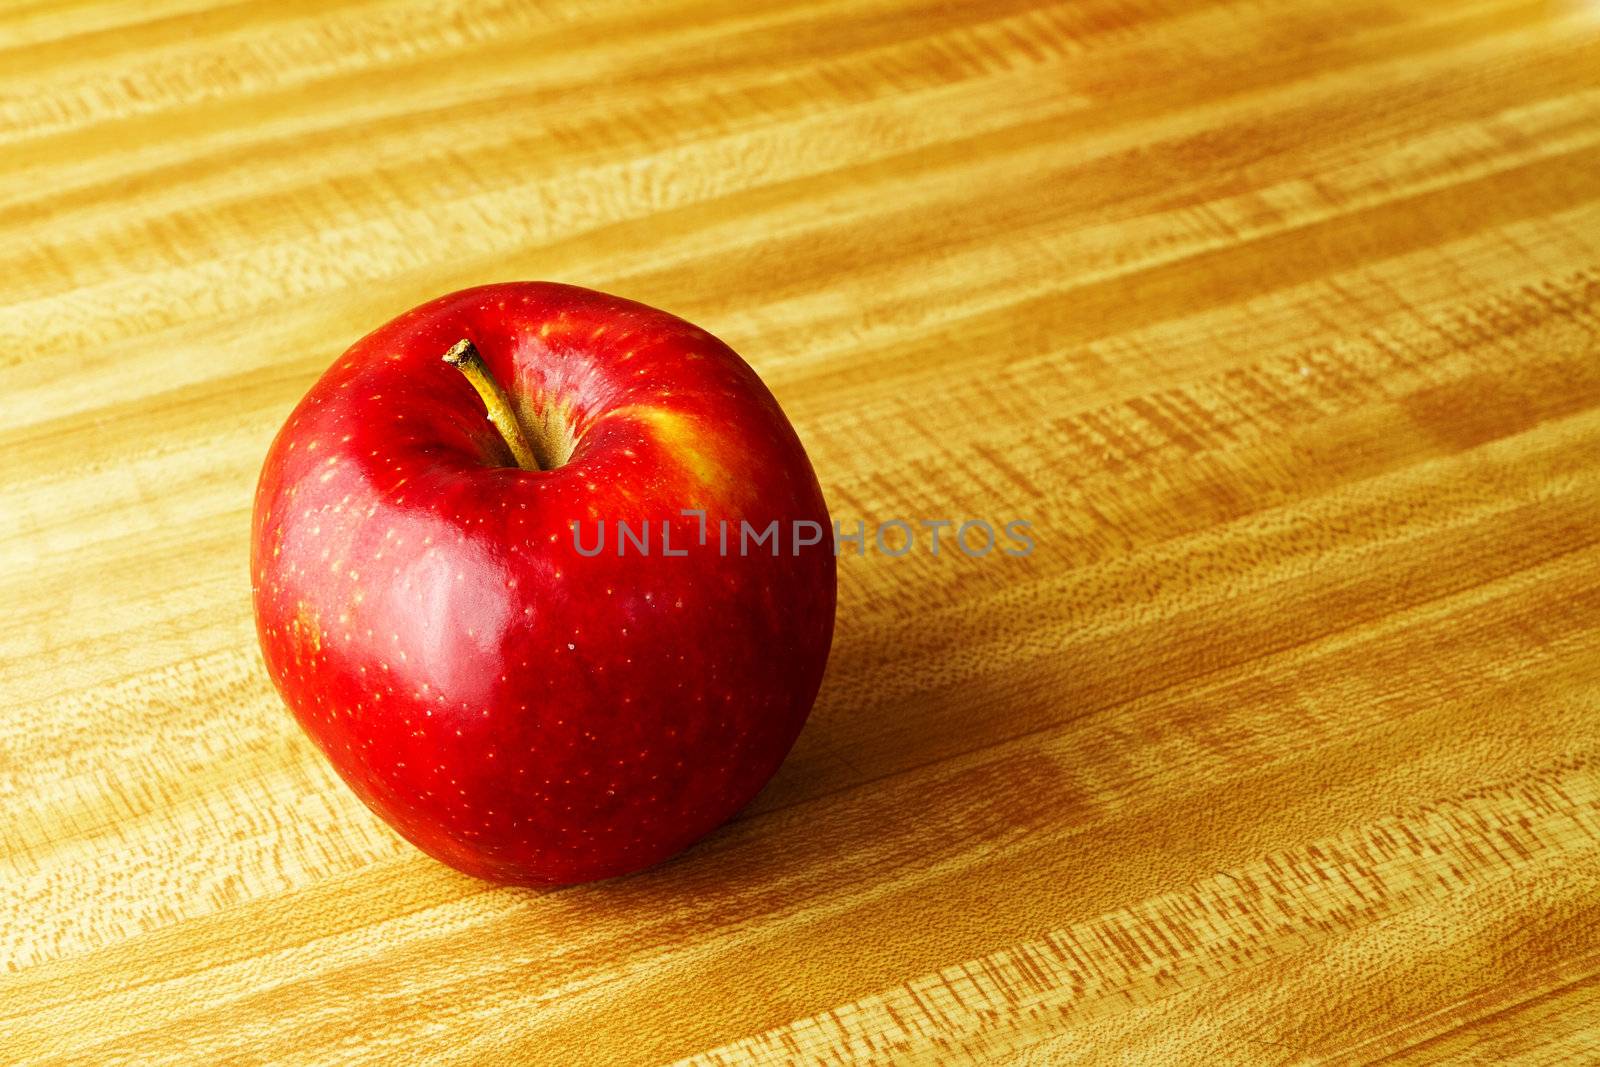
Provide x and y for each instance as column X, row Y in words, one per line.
column 1279, row 319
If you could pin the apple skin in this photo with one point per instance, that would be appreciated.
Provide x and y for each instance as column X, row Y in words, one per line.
column 517, row 710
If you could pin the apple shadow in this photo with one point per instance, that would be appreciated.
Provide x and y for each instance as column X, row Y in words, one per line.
column 892, row 722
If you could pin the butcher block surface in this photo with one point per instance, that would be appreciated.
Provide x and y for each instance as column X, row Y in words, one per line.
column 1279, row 321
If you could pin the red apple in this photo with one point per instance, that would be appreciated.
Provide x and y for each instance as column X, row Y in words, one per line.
column 519, row 708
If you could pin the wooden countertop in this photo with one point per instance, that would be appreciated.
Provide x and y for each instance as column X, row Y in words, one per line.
column 1277, row 318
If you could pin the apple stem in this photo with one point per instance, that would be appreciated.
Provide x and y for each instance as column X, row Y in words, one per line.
column 464, row 357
